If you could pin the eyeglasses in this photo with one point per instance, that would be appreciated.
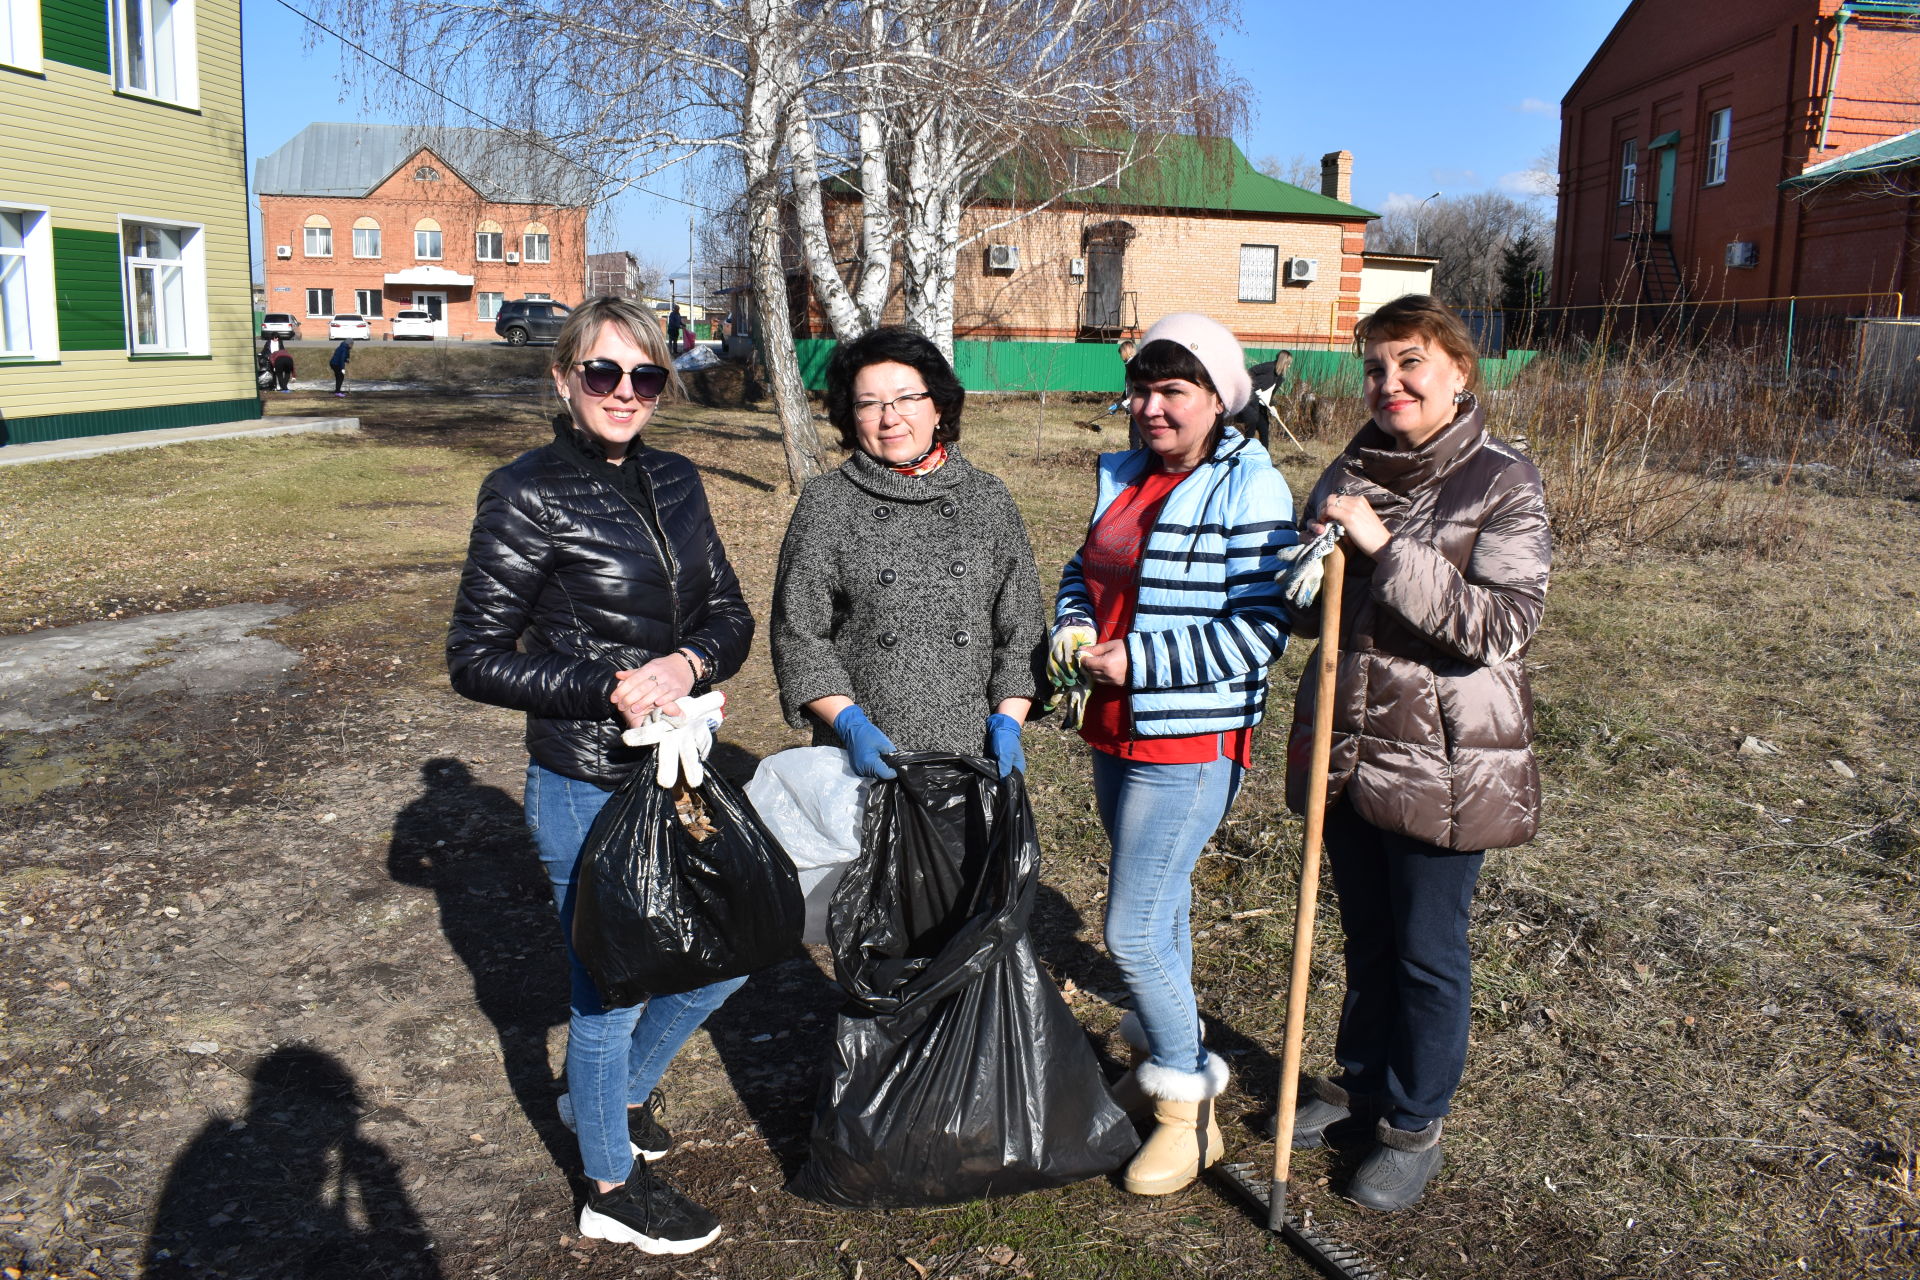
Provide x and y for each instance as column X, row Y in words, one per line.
column 906, row 406
column 602, row 378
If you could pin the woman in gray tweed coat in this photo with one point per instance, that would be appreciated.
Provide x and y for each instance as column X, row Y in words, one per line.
column 907, row 612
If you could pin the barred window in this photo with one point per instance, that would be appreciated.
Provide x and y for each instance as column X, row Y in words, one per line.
column 1259, row 268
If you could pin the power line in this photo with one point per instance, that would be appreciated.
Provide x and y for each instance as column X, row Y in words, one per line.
column 537, row 142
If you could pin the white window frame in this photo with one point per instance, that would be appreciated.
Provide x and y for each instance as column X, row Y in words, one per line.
column 488, row 305
column 439, row 244
column 325, row 312
column 359, row 232
column 191, row 266
column 20, row 36
column 1719, row 142
column 367, row 302
column 536, row 297
column 1629, row 170
column 1250, row 272
column 181, row 39
column 480, row 246
column 317, row 245
column 35, row 259
column 545, row 241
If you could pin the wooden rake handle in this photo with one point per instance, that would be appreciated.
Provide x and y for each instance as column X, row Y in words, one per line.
column 1331, row 582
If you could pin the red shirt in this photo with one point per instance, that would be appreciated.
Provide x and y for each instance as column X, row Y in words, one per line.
column 1110, row 564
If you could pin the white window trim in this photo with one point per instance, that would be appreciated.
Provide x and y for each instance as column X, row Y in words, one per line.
column 480, row 304
column 306, row 237
column 1273, row 277
column 23, row 50
column 43, row 330
column 422, row 257
column 377, row 241
column 497, row 255
column 186, row 43
column 193, row 259
column 325, row 313
column 546, row 244
column 376, row 295
column 1629, row 171
column 1718, row 147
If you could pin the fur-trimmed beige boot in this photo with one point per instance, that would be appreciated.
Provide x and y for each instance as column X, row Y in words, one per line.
column 1126, row 1091
column 1186, row 1137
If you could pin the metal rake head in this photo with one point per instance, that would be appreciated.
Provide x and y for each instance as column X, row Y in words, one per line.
column 1332, row 1258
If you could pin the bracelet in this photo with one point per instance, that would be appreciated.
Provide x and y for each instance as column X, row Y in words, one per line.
column 693, row 664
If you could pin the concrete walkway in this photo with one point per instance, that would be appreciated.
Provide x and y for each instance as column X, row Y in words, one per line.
column 93, row 446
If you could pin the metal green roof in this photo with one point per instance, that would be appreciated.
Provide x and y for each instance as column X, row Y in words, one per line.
column 1893, row 153
column 1204, row 174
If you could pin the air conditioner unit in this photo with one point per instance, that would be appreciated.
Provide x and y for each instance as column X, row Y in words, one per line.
column 283, row 251
column 1077, row 268
column 512, row 258
column 1303, row 270
column 1003, row 257
column 1743, row 253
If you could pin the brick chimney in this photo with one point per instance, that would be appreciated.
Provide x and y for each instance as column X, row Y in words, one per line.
column 1336, row 176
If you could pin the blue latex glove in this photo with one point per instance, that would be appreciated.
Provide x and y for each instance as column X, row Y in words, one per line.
column 1003, row 739
column 865, row 743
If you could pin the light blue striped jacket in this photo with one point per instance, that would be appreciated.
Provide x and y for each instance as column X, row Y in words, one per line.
column 1209, row 619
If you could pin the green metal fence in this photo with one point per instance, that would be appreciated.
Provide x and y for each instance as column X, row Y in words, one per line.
column 1093, row 367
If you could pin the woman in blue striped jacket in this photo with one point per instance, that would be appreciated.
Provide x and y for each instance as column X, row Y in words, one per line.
column 1171, row 613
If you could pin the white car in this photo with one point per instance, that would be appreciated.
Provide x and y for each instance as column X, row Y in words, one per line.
column 349, row 325
column 413, row 324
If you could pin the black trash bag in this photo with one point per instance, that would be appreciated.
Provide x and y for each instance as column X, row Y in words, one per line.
column 658, row 910
column 957, row 1070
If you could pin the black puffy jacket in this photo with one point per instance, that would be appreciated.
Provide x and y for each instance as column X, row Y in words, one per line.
column 567, row 581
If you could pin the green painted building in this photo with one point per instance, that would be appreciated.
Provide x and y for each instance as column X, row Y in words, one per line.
column 125, row 294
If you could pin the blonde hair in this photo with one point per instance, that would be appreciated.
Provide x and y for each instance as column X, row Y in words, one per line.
column 639, row 323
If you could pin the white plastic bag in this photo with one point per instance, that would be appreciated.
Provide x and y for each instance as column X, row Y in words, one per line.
column 815, row 805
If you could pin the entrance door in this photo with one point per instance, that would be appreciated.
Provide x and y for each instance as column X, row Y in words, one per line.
column 435, row 305
column 1106, row 269
column 1663, row 209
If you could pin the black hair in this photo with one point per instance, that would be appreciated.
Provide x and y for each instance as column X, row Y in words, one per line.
column 899, row 345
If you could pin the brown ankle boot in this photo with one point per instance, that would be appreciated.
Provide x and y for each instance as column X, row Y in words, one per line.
column 1186, row 1137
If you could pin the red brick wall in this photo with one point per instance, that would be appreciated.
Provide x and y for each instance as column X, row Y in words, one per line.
column 398, row 204
column 1668, row 65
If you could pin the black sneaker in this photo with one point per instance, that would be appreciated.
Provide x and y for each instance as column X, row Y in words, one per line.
column 647, row 1137
column 649, row 1212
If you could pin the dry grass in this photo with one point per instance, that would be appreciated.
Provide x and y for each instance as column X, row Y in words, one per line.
column 1697, row 995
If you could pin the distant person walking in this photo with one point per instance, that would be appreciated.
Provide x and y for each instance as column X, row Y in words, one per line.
column 675, row 323
column 338, row 363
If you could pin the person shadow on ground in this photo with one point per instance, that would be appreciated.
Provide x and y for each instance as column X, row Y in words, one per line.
column 468, row 843
column 291, row 1190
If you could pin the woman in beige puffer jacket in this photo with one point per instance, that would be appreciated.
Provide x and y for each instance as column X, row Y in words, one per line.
column 1432, row 758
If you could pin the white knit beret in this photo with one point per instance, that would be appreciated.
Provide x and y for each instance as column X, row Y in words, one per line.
column 1215, row 347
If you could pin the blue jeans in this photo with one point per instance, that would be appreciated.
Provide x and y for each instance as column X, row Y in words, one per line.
column 1158, row 818
column 614, row 1056
column 1403, row 1024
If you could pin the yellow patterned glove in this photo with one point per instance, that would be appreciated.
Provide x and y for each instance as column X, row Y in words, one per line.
column 1063, row 654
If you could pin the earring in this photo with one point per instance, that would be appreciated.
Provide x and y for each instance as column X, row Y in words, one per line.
column 1461, row 396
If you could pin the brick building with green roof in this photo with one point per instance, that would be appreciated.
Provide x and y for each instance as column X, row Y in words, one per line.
column 1193, row 228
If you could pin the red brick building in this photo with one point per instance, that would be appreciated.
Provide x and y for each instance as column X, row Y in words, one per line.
column 380, row 218
column 1195, row 228
column 1681, row 143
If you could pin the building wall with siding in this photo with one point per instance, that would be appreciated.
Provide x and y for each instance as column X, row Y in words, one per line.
column 397, row 204
column 92, row 155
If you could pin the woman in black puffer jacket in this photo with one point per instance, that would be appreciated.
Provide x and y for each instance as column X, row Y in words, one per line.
column 596, row 590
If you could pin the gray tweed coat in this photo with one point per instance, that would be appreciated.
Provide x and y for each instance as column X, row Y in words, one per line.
column 914, row 596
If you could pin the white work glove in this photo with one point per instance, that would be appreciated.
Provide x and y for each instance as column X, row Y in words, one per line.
column 683, row 740
column 1300, row 580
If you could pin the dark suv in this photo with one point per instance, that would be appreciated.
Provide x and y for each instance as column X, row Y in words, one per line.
column 530, row 320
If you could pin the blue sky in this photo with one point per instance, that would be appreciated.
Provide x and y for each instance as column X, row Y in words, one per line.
column 1457, row 98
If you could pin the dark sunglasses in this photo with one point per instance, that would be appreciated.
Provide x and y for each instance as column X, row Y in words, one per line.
column 601, row 377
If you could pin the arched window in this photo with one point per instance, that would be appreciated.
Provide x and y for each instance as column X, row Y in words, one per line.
column 535, row 244
column 426, row 239
column 487, row 238
column 319, row 238
column 426, row 173
column 366, row 238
